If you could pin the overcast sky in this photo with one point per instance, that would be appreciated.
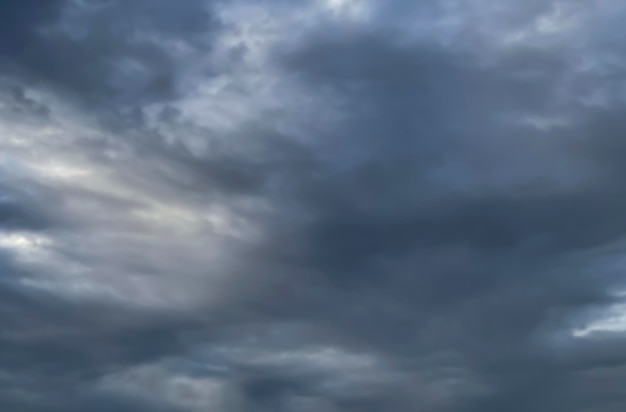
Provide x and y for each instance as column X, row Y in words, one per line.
column 312, row 205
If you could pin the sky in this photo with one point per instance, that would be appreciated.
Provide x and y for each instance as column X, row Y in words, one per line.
column 312, row 206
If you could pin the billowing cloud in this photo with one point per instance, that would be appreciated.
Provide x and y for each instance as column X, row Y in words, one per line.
column 338, row 205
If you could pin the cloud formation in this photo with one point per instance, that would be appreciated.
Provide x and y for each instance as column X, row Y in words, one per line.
column 334, row 205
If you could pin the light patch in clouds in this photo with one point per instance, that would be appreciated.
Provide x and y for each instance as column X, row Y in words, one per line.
column 561, row 18
column 23, row 243
column 158, row 382
column 612, row 320
column 349, row 9
column 139, row 235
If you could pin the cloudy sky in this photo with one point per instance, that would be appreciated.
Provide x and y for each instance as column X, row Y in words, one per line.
column 312, row 205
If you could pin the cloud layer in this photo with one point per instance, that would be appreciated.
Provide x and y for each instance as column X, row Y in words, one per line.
column 334, row 205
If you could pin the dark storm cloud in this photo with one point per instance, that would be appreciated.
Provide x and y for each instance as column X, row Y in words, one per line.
column 51, row 348
column 420, row 106
column 432, row 248
column 22, row 20
column 103, row 52
column 69, row 402
column 14, row 214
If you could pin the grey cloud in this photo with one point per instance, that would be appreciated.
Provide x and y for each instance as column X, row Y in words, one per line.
column 113, row 49
column 431, row 247
column 384, row 212
column 13, row 214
